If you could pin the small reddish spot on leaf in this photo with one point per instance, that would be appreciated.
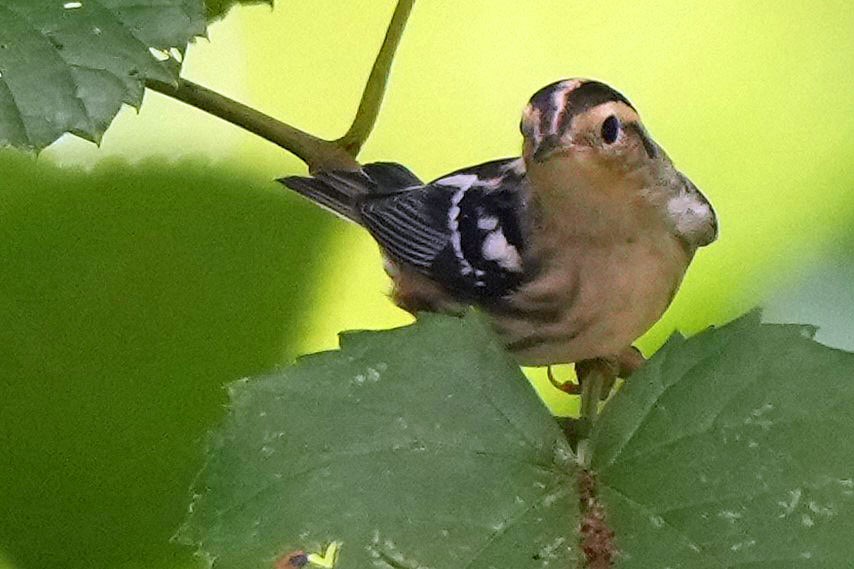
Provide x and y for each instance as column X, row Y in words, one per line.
column 293, row 560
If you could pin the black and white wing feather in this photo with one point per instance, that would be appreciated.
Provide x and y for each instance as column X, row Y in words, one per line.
column 341, row 191
column 465, row 230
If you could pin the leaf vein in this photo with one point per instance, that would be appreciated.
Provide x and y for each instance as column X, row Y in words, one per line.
column 658, row 397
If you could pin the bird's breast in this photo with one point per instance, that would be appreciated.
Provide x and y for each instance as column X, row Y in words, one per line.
column 591, row 299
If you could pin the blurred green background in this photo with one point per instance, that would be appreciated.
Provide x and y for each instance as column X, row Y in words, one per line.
column 139, row 277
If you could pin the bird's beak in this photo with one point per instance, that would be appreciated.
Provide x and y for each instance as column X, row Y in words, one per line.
column 547, row 146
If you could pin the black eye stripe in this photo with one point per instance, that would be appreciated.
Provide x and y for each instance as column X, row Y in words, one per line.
column 648, row 144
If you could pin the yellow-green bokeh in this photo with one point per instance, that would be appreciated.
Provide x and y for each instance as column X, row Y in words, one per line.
column 754, row 101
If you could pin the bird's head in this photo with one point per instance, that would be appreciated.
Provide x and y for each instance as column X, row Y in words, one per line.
column 591, row 136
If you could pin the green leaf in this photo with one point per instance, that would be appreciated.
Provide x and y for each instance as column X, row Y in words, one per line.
column 67, row 66
column 422, row 446
column 732, row 449
column 219, row 8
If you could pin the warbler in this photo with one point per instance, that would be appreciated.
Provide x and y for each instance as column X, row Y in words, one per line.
column 573, row 249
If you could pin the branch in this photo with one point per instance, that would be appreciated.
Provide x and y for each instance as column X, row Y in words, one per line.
column 317, row 153
column 372, row 96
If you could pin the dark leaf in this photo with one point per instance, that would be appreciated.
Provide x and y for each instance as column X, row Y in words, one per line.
column 219, row 8
column 417, row 447
column 68, row 65
column 732, row 449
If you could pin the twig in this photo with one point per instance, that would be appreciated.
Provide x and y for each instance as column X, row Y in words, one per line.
column 317, row 153
column 372, row 96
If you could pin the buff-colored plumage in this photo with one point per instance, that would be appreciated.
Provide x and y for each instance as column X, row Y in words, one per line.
column 608, row 239
column 574, row 250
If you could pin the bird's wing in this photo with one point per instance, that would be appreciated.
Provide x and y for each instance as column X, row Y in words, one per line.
column 340, row 191
column 464, row 230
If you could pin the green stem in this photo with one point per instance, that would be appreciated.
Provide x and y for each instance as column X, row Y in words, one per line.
column 317, row 153
column 372, row 96
column 591, row 394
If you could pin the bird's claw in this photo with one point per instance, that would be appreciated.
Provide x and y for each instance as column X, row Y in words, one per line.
column 622, row 365
column 566, row 386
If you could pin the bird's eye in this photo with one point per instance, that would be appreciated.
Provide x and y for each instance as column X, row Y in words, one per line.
column 610, row 129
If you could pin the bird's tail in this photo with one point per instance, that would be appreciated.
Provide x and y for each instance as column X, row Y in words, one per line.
column 336, row 191
column 340, row 191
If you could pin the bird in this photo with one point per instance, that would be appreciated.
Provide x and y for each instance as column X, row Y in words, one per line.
column 573, row 249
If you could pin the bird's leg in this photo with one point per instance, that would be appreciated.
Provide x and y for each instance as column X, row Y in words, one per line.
column 622, row 365
column 629, row 361
column 608, row 368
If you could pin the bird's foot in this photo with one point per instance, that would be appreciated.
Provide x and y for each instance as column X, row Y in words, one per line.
column 608, row 368
column 629, row 361
column 565, row 386
column 622, row 365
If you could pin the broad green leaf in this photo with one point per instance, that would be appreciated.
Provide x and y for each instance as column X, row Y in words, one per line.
column 732, row 449
column 422, row 446
column 67, row 66
column 219, row 8
column 726, row 450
